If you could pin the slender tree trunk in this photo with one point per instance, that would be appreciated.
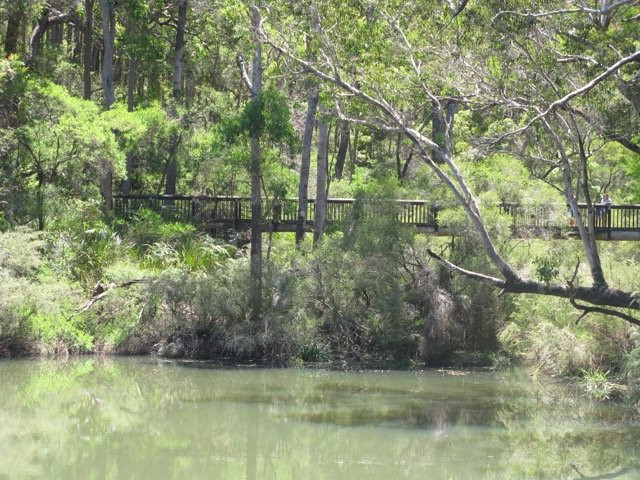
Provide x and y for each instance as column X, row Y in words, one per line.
column 307, row 138
column 56, row 35
column 398, row 161
column 256, row 166
column 40, row 200
column 354, row 153
column 108, row 29
column 588, row 241
column 132, row 76
column 69, row 33
column 342, row 149
column 13, row 31
column 178, row 55
column 321, row 180
column 35, row 42
column 108, row 36
column 178, row 60
column 140, row 88
column 87, row 49
column 171, row 178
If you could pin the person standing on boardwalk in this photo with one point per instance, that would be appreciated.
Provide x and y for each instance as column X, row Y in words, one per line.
column 604, row 208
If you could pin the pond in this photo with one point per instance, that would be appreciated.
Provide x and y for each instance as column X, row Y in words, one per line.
column 142, row 418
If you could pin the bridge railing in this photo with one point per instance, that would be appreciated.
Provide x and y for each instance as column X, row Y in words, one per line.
column 237, row 210
column 606, row 218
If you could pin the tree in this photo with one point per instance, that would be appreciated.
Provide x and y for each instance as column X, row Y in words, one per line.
column 107, row 8
column 15, row 17
column 322, row 168
column 87, row 48
column 402, row 52
column 50, row 16
column 256, row 160
column 62, row 142
column 177, row 83
column 307, row 138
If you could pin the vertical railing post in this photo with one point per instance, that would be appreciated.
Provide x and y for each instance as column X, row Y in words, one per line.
column 277, row 213
column 435, row 218
column 236, row 214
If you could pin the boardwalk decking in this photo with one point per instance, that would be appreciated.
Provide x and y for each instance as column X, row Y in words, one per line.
column 618, row 222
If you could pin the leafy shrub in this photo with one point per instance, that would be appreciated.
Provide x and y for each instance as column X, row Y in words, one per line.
column 632, row 371
column 36, row 305
column 314, row 352
column 148, row 227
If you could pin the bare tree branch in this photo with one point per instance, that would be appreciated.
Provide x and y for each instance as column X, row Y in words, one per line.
column 576, row 93
column 586, row 310
column 243, row 71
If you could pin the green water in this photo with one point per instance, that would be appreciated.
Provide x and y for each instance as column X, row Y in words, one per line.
column 94, row 418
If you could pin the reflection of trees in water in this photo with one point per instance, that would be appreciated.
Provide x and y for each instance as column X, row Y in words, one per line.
column 100, row 419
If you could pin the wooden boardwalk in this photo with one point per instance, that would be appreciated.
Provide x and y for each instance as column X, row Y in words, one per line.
column 617, row 222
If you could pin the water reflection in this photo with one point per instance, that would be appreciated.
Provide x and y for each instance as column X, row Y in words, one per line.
column 138, row 418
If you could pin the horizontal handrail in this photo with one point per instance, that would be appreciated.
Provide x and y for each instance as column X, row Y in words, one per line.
column 420, row 213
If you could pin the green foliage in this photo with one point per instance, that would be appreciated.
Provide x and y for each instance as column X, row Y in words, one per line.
column 632, row 371
column 148, row 227
column 598, row 386
column 268, row 116
column 547, row 268
column 314, row 352
column 36, row 306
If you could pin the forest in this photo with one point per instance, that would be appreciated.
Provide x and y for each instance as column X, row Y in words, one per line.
column 468, row 106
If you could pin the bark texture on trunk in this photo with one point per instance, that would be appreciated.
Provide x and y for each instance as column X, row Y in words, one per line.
column 13, row 31
column 307, row 138
column 343, row 146
column 256, row 166
column 303, row 187
column 178, row 61
column 108, row 36
column 321, row 181
column 178, row 55
column 107, row 8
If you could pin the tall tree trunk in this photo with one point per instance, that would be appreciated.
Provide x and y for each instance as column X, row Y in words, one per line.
column 178, row 61
column 35, row 42
column 256, row 165
column 303, row 186
column 342, row 149
column 77, row 46
column 108, row 37
column 56, row 35
column 13, row 30
column 108, row 33
column 171, row 178
column 312, row 104
column 321, row 180
column 178, row 55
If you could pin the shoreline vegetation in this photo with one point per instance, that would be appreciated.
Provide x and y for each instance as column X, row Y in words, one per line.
column 156, row 287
